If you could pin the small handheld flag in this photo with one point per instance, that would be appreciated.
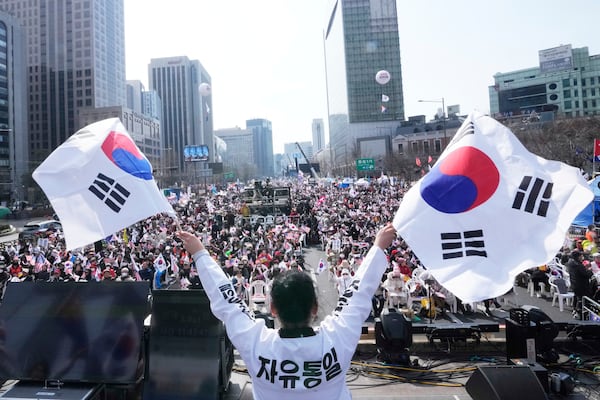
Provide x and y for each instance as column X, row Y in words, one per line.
column 321, row 267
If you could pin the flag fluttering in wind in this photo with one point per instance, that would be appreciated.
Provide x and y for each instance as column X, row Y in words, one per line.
column 159, row 263
column 99, row 182
column 596, row 150
column 321, row 267
column 488, row 210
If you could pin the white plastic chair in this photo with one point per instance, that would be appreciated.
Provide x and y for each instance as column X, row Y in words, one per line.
column 531, row 289
column 560, row 291
column 258, row 294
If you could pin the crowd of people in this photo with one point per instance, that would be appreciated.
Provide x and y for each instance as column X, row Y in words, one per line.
column 342, row 219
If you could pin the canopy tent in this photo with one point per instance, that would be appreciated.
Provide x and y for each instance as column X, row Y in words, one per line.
column 591, row 213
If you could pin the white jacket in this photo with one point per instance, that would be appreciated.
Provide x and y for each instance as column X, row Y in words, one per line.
column 311, row 367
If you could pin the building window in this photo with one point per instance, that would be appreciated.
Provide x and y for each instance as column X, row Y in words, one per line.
column 567, row 104
column 566, row 83
column 592, row 92
column 575, row 82
column 576, row 103
column 437, row 144
column 425, row 147
column 567, row 94
column 582, row 81
column 575, row 93
column 585, row 104
column 401, row 148
column 415, row 147
column 584, row 92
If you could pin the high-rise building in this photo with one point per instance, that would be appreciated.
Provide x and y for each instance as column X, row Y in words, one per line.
column 151, row 104
column 566, row 81
column 186, row 117
column 318, row 135
column 362, row 48
column 135, row 90
column 13, row 106
column 263, row 146
column 75, row 60
column 239, row 153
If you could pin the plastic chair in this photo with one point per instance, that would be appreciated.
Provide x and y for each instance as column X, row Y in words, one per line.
column 531, row 289
column 561, row 292
column 258, row 293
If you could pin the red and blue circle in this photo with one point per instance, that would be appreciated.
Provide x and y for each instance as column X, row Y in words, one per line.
column 121, row 150
column 463, row 180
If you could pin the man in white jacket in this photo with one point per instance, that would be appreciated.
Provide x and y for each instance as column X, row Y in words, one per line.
column 296, row 361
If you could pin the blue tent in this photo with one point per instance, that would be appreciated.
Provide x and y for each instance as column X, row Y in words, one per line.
column 586, row 217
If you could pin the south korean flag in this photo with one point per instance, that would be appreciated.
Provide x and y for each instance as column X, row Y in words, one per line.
column 99, row 182
column 488, row 210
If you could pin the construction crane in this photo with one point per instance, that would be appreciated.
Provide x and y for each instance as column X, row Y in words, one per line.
column 312, row 170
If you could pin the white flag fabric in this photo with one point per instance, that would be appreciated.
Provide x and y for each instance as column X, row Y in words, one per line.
column 488, row 210
column 159, row 263
column 99, row 182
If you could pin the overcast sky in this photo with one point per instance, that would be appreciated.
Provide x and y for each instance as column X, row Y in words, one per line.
column 265, row 57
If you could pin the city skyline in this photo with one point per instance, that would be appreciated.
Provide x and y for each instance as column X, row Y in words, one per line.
column 266, row 58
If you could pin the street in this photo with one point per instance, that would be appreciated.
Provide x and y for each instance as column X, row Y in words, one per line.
column 18, row 224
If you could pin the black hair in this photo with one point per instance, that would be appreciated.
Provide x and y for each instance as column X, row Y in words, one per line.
column 293, row 296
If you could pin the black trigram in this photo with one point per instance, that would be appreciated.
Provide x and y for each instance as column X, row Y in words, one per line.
column 529, row 194
column 110, row 192
column 468, row 243
column 467, row 128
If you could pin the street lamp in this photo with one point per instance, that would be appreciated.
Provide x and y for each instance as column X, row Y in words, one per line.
column 443, row 114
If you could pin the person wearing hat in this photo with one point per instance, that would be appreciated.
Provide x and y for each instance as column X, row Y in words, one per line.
column 394, row 288
column 124, row 277
column 108, row 274
column 580, row 278
column 344, row 281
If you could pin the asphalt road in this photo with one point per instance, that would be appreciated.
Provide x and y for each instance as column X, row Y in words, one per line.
column 18, row 224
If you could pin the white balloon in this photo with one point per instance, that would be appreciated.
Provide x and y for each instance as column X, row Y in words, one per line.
column 204, row 89
column 382, row 77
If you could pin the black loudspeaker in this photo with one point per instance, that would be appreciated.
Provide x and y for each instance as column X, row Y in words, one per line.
column 393, row 337
column 530, row 322
column 189, row 354
column 506, row 382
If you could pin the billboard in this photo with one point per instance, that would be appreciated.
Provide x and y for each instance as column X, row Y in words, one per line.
column 374, row 147
column 556, row 59
column 195, row 153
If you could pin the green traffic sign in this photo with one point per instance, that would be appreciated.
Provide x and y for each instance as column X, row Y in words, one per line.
column 365, row 164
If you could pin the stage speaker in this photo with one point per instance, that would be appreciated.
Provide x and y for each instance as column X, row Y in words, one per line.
column 189, row 355
column 393, row 337
column 506, row 382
